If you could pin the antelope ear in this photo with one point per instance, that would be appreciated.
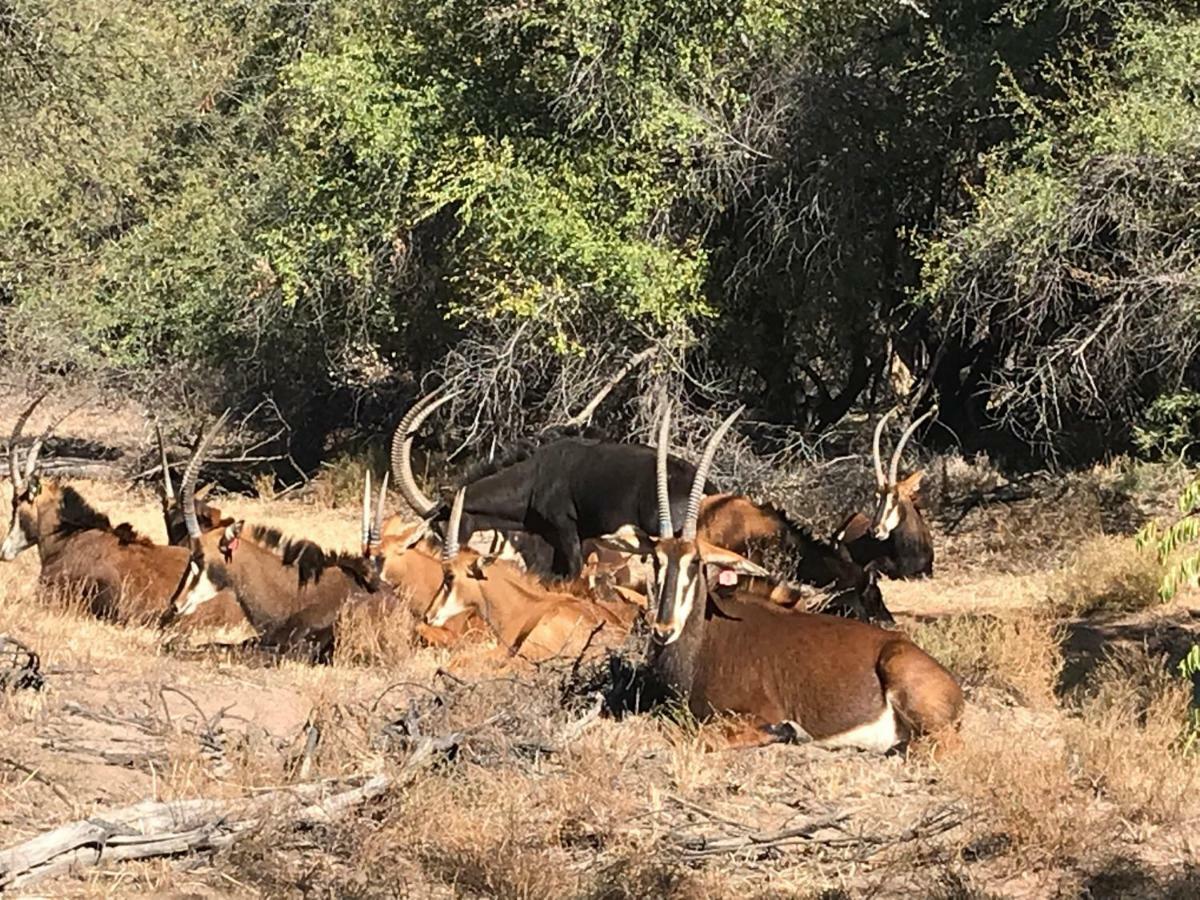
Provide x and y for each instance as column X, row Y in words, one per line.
column 477, row 566
column 727, row 559
column 910, row 485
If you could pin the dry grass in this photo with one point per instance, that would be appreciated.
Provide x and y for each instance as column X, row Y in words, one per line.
column 1018, row 655
column 1106, row 574
column 1047, row 795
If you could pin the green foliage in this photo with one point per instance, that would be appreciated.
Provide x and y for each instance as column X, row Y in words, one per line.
column 227, row 198
column 1176, row 545
column 1189, row 668
column 1170, row 425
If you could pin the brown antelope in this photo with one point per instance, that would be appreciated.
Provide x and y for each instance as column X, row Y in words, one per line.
column 122, row 575
column 895, row 538
column 764, row 534
column 290, row 591
column 525, row 617
column 794, row 675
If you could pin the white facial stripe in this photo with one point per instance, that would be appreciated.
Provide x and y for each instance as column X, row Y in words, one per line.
column 202, row 591
column 677, row 591
column 15, row 541
column 451, row 605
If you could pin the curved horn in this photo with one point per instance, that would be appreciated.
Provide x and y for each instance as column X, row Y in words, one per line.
column 366, row 511
column 710, row 452
column 875, row 451
column 666, row 528
column 402, row 439
column 14, row 461
column 894, row 471
column 450, row 546
column 188, row 486
column 377, row 525
column 168, row 487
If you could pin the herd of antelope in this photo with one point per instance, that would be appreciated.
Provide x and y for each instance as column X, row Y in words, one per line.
column 564, row 550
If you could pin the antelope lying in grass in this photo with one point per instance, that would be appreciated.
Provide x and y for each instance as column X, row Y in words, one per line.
column 793, row 675
column 525, row 617
column 290, row 591
column 491, row 593
column 895, row 538
column 121, row 575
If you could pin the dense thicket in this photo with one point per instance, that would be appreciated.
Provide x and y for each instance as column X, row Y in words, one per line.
column 813, row 204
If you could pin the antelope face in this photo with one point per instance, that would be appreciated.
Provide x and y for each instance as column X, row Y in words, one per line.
column 682, row 572
column 678, row 581
column 201, row 584
column 23, row 531
column 447, row 601
column 887, row 513
column 890, row 504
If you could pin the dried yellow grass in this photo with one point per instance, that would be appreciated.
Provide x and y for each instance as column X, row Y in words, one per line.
column 1106, row 574
column 1019, row 654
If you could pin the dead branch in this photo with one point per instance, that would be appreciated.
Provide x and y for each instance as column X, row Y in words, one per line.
column 584, row 416
column 20, row 666
column 150, row 829
column 37, row 776
column 700, row 846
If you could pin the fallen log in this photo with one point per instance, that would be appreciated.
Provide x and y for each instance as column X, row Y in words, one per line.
column 152, row 829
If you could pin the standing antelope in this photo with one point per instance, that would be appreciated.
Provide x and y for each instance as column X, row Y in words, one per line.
column 794, row 675
column 122, row 575
column 895, row 538
column 565, row 491
column 292, row 597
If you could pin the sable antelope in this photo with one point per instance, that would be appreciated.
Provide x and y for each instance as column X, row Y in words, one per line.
column 122, row 575
column 794, row 675
column 895, row 537
column 525, row 617
column 565, row 491
column 764, row 534
column 292, row 597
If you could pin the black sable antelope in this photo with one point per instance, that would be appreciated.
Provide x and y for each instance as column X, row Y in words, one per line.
column 120, row 574
column 895, row 538
column 564, row 492
column 793, row 675
column 291, row 591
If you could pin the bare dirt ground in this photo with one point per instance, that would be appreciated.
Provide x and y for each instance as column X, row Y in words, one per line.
column 1072, row 781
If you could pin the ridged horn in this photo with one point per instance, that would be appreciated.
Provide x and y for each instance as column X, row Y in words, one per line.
column 366, row 511
column 167, row 487
column 706, row 461
column 450, row 545
column 894, row 470
column 876, row 452
column 666, row 529
column 188, row 486
column 402, row 439
column 14, row 459
column 377, row 523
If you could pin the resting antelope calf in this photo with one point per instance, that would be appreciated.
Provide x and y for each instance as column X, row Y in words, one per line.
column 526, row 618
column 291, row 592
column 795, row 676
column 894, row 538
column 120, row 574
